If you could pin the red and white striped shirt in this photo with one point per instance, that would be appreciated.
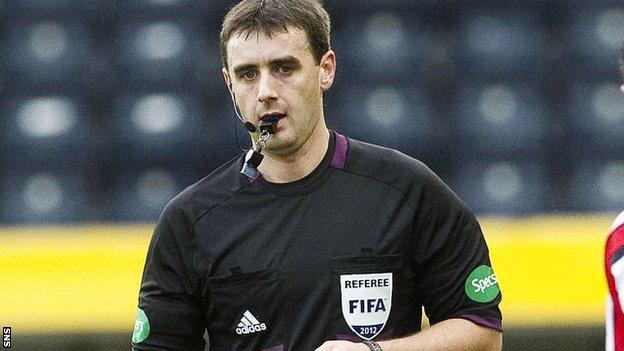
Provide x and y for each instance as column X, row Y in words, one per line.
column 614, row 269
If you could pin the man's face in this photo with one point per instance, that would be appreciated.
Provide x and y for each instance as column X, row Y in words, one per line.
column 279, row 76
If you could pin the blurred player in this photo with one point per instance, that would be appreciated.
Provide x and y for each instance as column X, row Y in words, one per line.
column 312, row 241
column 614, row 267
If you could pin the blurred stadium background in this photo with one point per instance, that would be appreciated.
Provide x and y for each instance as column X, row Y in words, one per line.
column 111, row 107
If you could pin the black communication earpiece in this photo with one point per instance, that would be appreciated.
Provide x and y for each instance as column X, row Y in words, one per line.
column 254, row 156
column 248, row 125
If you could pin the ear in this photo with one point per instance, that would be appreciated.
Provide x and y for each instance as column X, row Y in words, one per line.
column 327, row 70
column 226, row 79
column 622, row 88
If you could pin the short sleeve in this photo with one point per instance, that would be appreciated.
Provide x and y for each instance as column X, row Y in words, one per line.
column 170, row 314
column 457, row 278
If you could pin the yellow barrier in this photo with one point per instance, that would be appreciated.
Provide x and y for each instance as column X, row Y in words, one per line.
column 86, row 278
column 550, row 268
column 71, row 279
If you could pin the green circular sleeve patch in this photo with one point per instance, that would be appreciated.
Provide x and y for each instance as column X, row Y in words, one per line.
column 141, row 327
column 482, row 285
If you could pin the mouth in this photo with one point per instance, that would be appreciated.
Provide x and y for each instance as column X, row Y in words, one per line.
column 269, row 116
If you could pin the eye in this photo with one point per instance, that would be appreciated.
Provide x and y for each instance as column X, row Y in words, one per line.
column 285, row 69
column 249, row 75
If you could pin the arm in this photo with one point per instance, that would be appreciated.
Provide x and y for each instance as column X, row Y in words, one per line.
column 170, row 315
column 457, row 286
column 614, row 261
column 451, row 334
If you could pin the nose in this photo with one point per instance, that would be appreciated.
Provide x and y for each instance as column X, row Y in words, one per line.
column 266, row 89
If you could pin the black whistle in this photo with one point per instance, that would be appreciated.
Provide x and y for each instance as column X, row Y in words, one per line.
column 252, row 161
column 269, row 125
column 253, row 158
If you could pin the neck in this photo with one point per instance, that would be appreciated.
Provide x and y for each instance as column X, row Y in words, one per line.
column 292, row 167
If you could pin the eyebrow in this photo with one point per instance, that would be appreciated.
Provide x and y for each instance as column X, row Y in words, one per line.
column 289, row 60
column 286, row 60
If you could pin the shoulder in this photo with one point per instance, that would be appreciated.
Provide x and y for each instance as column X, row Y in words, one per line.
column 208, row 192
column 420, row 186
column 389, row 166
column 616, row 234
column 619, row 221
column 614, row 249
column 614, row 255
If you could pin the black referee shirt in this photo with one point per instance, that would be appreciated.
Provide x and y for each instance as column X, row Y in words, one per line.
column 352, row 251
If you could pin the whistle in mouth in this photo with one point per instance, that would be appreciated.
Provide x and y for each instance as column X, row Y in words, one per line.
column 269, row 125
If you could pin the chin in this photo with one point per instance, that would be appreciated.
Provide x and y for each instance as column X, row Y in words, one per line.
column 283, row 144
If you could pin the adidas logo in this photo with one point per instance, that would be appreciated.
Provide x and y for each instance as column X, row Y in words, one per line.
column 249, row 324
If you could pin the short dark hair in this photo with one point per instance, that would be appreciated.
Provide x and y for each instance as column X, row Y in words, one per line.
column 270, row 16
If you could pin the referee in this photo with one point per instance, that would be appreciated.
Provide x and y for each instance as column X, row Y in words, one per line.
column 329, row 244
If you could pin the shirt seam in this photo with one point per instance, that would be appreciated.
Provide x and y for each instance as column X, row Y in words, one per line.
column 205, row 212
column 195, row 239
column 404, row 193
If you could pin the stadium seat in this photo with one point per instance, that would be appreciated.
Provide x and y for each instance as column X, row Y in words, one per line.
column 167, row 8
column 338, row 9
column 579, row 5
column 160, row 54
column 111, row 107
column 45, row 9
column 44, row 196
column 595, row 118
column 164, row 126
column 46, row 130
column 506, row 43
column 47, row 54
column 500, row 119
column 595, row 36
column 140, row 194
column 596, row 185
column 503, row 188
column 381, row 45
column 397, row 116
